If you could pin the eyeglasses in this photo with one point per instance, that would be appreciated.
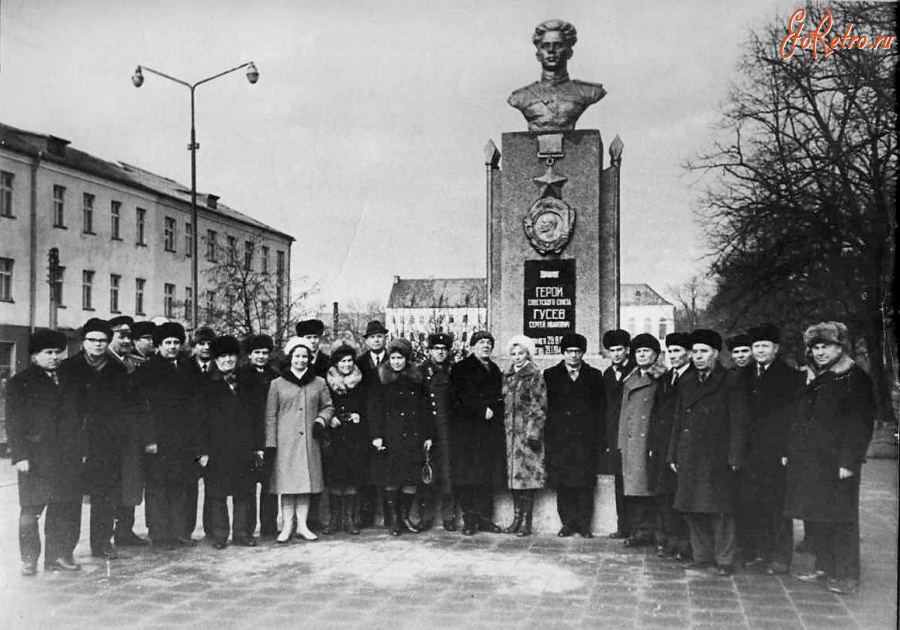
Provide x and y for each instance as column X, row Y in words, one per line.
column 96, row 339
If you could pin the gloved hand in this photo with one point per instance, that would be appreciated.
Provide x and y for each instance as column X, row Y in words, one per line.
column 319, row 433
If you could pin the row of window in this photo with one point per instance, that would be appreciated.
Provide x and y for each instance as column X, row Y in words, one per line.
column 663, row 328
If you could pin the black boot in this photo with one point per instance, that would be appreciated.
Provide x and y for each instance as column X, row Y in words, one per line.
column 406, row 501
column 393, row 508
column 527, row 509
column 335, row 510
column 470, row 523
column 517, row 513
column 366, row 502
column 425, row 524
column 350, row 525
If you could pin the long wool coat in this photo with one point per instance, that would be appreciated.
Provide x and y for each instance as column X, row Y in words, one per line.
column 347, row 458
column 291, row 410
column 398, row 414
column 576, row 425
column 708, row 437
column 831, row 430
column 49, row 439
column 437, row 385
column 610, row 460
column 257, row 382
column 660, row 432
column 525, row 406
column 477, row 446
column 639, row 394
column 230, row 433
column 133, row 455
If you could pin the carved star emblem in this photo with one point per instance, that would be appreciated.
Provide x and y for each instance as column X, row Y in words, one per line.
column 551, row 183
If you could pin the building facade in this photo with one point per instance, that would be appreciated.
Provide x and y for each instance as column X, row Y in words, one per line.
column 643, row 310
column 123, row 236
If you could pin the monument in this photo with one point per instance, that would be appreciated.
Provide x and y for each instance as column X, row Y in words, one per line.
column 553, row 229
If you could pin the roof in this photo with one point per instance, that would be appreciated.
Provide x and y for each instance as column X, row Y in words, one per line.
column 438, row 293
column 640, row 295
column 55, row 149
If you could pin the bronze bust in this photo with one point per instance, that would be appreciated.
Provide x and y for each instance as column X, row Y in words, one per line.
column 555, row 102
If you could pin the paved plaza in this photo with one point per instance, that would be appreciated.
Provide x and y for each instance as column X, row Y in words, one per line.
column 441, row 580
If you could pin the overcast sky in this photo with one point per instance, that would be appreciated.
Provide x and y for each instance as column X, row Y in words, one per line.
column 364, row 137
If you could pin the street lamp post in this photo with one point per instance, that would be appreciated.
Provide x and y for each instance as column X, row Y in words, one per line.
column 138, row 80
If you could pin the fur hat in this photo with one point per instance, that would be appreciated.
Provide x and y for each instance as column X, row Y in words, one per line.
column 741, row 340
column 203, row 334
column 617, row 337
column 481, row 334
column 680, row 339
column 166, row 330
column 310, row 327
column 440, row 339
column 292, row 343
column 44, row 339
column 95, row 324
column 765, row 332
column 141, row 329
column 375, row 328
column 121, row 320
column 707, row 337
column 573, row 340
column 524, row 342
column 258, row 342
column 827, row 332
column 400, row 345
column 342, row 348
column 645, row 340
column 226, row 344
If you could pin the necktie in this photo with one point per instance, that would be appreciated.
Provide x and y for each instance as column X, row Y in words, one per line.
column 618, row 373
column 204, row 368
column 674, row 378
column 760, row 370
column 53, row 375
column 573, row 374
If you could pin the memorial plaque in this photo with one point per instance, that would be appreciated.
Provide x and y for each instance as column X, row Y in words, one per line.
column 549, row 302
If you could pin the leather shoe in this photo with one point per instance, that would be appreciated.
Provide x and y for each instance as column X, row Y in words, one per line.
column 184, row 542
column 29, row 568
column 489, row 527
column 62, row 564
column 109, row 554
column 586, row 533
column 132, row 540
column 468, row 530
column 566, row 531
column 449, row 526
column 618, row 535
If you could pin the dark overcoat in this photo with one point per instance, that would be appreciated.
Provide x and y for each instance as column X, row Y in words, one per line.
column 660, row 432
column 103, row 401
column 525, row 416
column 133, row 453
column 230, row 432
column 170, row 406
column 708, row 437
column 773, row 398
column 576, row 425
column 610, row 459
column 49, row 439
column 477, row 446
column 398, row 414
column 199, row 380
column 437, row 385
column 257, row 382
column 831, row 430
column 347, row 458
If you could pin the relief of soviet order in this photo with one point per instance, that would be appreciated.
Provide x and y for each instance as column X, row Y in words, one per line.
column 555, row 102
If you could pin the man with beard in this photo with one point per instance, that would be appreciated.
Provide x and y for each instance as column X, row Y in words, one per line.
column 616, row 343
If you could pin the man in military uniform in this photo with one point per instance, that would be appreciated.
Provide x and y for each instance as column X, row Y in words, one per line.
column 555, row 102
column 142, row 341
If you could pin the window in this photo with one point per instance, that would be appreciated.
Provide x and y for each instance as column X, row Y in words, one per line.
column 7, row 359
column 59, row 206
column 114, row 282
column 188, row 240
column 662, row 328
column 232, row 249
column 631, row 328
column 210, row 304
column 212, row 244
column 87, row 290
column 279, row 285
column 188, row 303
column 139, row 284
column 170, row 234
column 87, row 213
column 248, row 254
column 6, row 194
column 648, row 325
column 141, row 235
column 115, row 220
column 58, row 289
column 265, row 259
column 6, row 275
column 169, row 300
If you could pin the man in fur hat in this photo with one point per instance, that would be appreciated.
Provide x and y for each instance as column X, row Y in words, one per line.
column 616, row 343
column 311, row 331
column 368, row 363
column 741, row 349
column 826, row 449
column 142, row 342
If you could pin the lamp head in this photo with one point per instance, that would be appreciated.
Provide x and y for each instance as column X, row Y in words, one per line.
column 137, row 78
column 252, row 73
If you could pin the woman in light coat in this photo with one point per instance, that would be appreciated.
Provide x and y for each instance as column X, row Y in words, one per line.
column 525, row 405
column 297, row 411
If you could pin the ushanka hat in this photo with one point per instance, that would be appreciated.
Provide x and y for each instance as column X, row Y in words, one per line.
column 645, row 340
column 258, row 342
column 440, row 339
column 95, row 324
column 46, row 339
column 680, row 339
column 167, row 330
column 203, row 334
column 479, row 335
column 226, row 344
column 707, row 337
column 741, row 340
column 827, row 332
column 573, row 340
column 121, row 320
column 765, row 332
column 310, row 327
column 402, row 346
column 141, row 329
column 617, row 337
column 342, row 348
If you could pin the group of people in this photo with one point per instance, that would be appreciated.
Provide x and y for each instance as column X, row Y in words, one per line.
column 710, row 464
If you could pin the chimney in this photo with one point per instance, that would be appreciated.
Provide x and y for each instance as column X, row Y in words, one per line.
column 212, row 201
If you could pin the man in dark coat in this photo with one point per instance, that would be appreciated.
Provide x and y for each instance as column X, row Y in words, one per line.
column 617, row 344
column 167, row 394
column 826, row 449
column 256, row 375
column 575, row 430
column 477, row 436
column 436, row 370
column 142, row 342
column 45, row 448
column 97, row 390
column 368, row 363
column 231, row 439
column 764, row 534
column 706, row 451
column 741, row 349
column 673, row 537
column 311, row 331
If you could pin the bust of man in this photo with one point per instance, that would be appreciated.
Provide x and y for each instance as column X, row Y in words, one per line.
column 555, row 102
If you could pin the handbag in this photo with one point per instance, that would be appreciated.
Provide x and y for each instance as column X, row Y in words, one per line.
column 427, row 470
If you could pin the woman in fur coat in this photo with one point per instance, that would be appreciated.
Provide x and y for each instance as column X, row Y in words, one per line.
column 347, row 458
column 401, row 427
column 525, row 404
